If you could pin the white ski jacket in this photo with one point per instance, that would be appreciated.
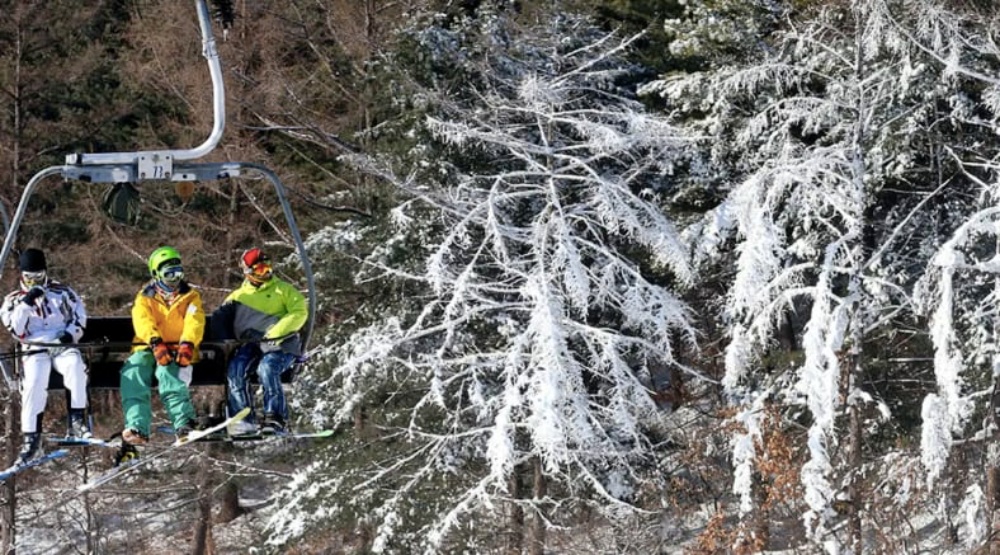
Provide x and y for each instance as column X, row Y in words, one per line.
column 59, row 310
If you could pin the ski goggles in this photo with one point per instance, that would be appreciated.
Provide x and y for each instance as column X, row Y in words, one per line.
column 260, row 271
column 256, row 265
column 171, row 274
column 32, row 279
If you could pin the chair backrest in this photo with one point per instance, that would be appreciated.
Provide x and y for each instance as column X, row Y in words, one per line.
column 107, row 343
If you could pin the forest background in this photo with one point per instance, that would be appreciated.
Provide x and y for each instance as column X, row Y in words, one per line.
column 621, row 276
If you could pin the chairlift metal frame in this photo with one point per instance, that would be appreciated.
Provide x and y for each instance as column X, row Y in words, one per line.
column 166, row 166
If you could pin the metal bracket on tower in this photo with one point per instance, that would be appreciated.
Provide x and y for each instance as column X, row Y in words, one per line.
column 155, row 165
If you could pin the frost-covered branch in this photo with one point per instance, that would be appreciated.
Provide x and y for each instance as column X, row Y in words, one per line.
column 540, row 322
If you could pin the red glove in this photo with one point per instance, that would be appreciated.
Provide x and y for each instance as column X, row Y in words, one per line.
column 161, row 352
column 185, row 354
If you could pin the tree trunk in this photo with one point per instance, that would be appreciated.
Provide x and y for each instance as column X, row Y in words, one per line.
column 851, row 376
column 854, row 484
column 993, row 491
column 11, row 422
column 515, row 519
column 229, row 502
column 359, row 419
column 202, row 544
column 15, row 146
column 13, row 405
column 858, row 314
column 539, row 490
column 992, row 463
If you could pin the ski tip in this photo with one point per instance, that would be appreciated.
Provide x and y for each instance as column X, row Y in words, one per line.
column 107, row 476
column 18, row 468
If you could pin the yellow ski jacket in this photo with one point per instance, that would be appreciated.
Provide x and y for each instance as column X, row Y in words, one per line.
column 182, row 320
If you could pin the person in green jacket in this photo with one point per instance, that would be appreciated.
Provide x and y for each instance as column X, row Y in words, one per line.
column 267, row 313
column 169, row 324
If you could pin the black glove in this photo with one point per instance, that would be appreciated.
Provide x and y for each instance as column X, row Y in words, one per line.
column 66, row 337
column 252, row 335
column 32, row 295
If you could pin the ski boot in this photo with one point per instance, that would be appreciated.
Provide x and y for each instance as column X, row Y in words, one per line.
column 32, row 448
column 273, row 424
column 132, row 436
column 78, row 425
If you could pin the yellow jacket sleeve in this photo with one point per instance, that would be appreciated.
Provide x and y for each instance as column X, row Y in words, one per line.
column 194, row 321
column 143, row 319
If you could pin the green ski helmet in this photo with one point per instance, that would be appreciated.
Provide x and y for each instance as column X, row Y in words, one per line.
column 161, row 256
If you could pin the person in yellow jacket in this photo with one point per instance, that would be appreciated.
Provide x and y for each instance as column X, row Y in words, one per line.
column 267, row 313
column 169, row 324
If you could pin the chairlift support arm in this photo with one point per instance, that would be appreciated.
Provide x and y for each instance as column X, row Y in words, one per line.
column 157, row 164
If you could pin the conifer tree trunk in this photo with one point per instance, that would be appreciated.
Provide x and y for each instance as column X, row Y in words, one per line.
column 12, row 409
column 856, row 292
column 539, row 490
column 229, row 502
column 202, row 543
column 229, row 491
column 15, row 147
column 992, row 491
column 13, row 404
column 515, row 520
column 992, row 462
column 855, row 459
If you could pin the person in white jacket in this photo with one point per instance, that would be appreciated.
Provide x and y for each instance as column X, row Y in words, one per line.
column 43, row 315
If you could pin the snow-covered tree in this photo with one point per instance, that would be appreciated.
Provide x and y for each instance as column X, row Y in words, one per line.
column 961, row 288
column 543, row 298
column 832, row 137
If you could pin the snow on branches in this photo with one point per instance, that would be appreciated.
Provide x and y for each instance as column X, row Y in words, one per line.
column 816, row 136
column 539, row 320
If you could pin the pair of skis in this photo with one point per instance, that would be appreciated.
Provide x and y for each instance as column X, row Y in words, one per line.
column 131, row 464
column 211, row 434
column 118, row 470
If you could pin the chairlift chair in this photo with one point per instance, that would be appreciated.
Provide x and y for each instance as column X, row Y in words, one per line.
column 107, row 340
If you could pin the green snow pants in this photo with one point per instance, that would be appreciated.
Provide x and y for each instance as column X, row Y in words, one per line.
column 137, row 378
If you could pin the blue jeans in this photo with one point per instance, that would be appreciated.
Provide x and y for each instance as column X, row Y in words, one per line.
column 269, row 369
